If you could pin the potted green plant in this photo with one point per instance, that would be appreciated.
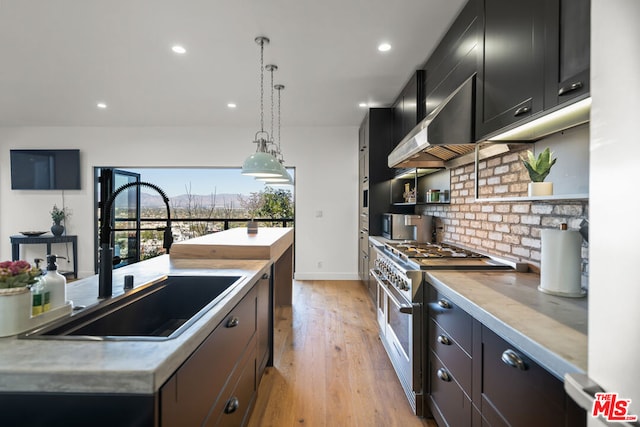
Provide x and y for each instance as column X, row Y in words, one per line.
column 538, row 169
column 57, row 216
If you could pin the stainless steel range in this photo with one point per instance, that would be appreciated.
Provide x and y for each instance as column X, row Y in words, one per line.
column 399, row 269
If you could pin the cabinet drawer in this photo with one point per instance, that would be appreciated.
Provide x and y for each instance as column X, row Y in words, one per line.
column 454, row 320
column 521, row 395
column 457, row 361
column 200, row 380
column 449, row 405
column 235, row 402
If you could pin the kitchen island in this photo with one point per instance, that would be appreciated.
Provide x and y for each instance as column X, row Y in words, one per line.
column 132, row 375
column 275, row 244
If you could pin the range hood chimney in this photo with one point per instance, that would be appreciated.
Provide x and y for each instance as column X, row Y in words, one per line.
column 446, row 133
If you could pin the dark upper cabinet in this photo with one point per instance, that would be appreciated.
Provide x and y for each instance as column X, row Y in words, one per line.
column 376, row 142
column 511, row 69
column 409, row 108
column 568, row 63
column 455, row 59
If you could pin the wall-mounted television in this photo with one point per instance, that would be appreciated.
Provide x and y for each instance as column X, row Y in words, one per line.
column 45, row 169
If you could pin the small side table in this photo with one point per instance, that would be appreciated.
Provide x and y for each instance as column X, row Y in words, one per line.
column 19, row 239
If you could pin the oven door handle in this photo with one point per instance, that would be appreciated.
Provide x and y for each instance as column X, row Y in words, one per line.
column 402, row 308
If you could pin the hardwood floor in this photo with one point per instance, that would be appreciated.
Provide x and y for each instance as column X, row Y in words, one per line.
column 330, row 367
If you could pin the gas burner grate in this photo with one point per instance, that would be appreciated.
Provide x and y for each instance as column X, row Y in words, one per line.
column 432, row 250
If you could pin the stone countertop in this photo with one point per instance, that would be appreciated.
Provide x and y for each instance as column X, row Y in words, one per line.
column 236, row 243
column 551, row 330
column 139, row 367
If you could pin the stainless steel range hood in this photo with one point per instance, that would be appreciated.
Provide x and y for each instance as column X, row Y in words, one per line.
column 446, row 133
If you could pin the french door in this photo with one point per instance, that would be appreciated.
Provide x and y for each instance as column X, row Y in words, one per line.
column 125, row 214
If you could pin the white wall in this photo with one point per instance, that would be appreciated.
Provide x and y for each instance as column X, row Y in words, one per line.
column 326, row 161
column 614, row 236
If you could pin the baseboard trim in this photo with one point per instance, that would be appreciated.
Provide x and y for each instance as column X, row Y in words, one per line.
column 326, row 276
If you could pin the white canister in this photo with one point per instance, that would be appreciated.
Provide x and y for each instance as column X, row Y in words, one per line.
column 15, row 311
column 561, row 263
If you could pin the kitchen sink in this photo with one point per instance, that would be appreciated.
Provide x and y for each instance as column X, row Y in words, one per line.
column 159, row 310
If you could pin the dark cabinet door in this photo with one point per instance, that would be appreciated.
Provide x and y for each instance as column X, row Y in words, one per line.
column 377, row 130
column 409, row 108
column 413, row 105
column 455, row 59
column 264, row 323
column 186, row 399
column 569, row 57
column 511, row 71
column 515, row 390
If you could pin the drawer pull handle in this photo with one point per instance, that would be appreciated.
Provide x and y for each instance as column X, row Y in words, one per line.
column 514, row 360
column 443, row 339
column 233, row 322
column 265, row 276
column 444, row 375
column 232, row 405
column 568, row 89
column 520, row 111
column 445, row 304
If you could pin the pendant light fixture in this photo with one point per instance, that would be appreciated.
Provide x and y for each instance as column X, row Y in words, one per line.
column 262, row 163
column 285, row 179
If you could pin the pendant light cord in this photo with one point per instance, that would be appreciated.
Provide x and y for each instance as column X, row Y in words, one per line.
column 262, row 86
column 279, row 115
column 271, row 69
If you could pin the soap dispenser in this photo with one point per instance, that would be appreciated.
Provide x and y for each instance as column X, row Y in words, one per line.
column 56, row 283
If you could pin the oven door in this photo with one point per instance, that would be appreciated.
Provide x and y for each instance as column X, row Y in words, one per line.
column 400, row 324
column 403, row 333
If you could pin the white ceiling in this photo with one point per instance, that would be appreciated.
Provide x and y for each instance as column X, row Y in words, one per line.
column 58, row 58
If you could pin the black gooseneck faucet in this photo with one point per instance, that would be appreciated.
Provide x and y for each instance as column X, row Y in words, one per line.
column 105, row 268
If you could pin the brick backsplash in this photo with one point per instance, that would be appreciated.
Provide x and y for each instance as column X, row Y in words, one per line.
column 508, row 229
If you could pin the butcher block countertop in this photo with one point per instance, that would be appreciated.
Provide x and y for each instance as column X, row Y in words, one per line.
column 552, row 330
column 236, row 243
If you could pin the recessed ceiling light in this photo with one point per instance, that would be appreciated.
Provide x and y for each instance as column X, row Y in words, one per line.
column 178, row 49
column 231, row 105
column 362, row 105
column 101, row 105
column 384, row 47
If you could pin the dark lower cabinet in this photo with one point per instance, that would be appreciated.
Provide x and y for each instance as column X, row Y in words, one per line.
column 237, row 398
column 264, row 324
column 475, row 378
column 220, row 377
column 77, row 410
column 449, row 404
column 516, row 391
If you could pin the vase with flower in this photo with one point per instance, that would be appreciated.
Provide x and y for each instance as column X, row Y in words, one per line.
column 15, row 296
column 57, row 216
